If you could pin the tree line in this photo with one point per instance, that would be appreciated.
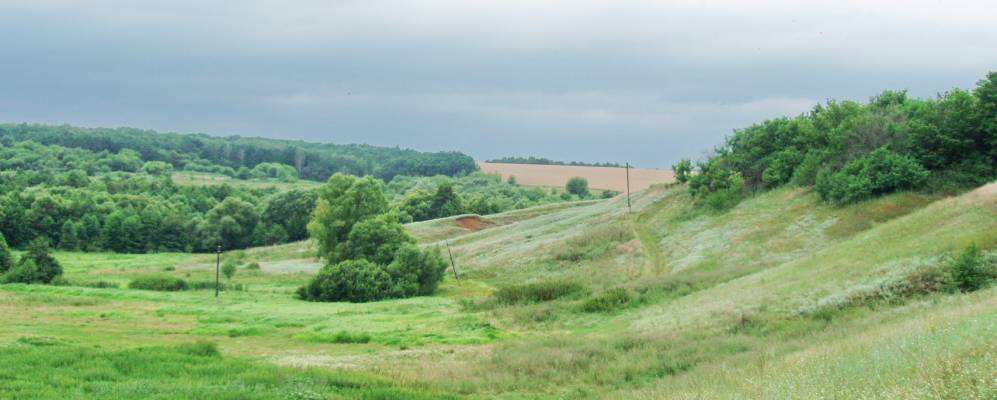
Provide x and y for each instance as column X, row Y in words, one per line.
column 849, row 151
column 547, row 161
column 229, row 155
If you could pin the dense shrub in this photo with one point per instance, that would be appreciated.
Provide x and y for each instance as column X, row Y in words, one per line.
column 36, row 266
column 537, row 292
column 881, row 172
column 577, row 186
column 351, row 280
column 853, row 151
column 369, row 254
column 253, row 266
column 162, row 283
column 415, row 272
column 970, row 270
column 6, row 257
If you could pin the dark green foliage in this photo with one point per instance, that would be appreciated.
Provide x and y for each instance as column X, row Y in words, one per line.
column 36, row 266
column 369, row 254
column 162, row 283
column 577, row 186
column 351, row 280
column 853, row 151
column 126, row 149
column 608, row 301
column 881, row 172
column 6, row 257
column 446, row 202
column 969, row 271
column 376, row 240
column 343, row 202
column 416, row 272
column 476, row 193
column 683, row 170
column 291, row 211
column 537, row 292
column 231, row 223
column 253, row 266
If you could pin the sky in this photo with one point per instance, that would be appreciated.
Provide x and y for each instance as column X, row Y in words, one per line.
column 645, row 82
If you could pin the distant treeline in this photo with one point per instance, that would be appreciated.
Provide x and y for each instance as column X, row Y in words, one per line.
column 547, row 161
column 229, row 155
column 848, row 151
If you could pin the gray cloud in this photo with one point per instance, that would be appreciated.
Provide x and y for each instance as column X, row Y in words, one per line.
column 640, row 81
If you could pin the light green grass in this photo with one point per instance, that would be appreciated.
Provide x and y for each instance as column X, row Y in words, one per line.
column 712, row 308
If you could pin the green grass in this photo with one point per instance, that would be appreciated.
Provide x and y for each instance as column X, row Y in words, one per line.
column 782, row 296
column 40, row 368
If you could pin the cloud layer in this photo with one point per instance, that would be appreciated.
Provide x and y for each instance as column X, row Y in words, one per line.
column 640, row 81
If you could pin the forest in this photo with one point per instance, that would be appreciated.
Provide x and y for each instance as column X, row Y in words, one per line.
column 849, row 151
column 114, row 189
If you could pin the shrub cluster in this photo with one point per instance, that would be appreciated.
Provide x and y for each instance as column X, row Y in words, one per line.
column 854, row 151
column 369, row 254
column 608, row 301
column 36, row 266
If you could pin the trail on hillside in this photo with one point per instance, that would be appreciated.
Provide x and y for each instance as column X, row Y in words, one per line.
column 654, row 262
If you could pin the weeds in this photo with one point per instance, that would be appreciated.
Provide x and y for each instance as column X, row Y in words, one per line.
column 538, row 292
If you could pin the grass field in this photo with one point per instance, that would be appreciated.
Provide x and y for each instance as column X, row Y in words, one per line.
column 781, row 297
column 606, row 178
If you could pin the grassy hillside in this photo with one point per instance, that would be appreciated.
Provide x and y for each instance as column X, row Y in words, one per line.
column 782, row 296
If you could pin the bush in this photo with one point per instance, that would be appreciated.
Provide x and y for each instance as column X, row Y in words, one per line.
column 970, row 271
column 98, row 285
column 229, row 268
column 6, row 257
column 609, row 301
column 162, row 283
column 537, row 292
column 415, row 272
column 683, row 170
column 351, row 280
column 577, row 186
column 37, row 266
column 253, row 266
column 880, row 172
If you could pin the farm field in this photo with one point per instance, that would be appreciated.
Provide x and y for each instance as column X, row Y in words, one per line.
column 668, row 302
column 606, row 178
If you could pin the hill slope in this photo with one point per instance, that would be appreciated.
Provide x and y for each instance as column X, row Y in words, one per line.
column 781, row 296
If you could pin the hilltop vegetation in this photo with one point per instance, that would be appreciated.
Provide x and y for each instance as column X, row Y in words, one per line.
column 850, row 152
column 232, row 156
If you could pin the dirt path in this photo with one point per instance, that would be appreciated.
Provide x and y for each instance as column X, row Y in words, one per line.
column 654, row 262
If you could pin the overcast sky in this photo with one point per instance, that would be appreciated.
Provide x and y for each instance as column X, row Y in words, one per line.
column 641, row 81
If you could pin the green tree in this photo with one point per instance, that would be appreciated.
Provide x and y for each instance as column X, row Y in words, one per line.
column 69, row 238
column 343, row 202
column 6, row 257
column 512, row 180
column 683, row 169
column 36, row 266
column 578, row 186
column 291, row 210
column 231, row 223
column 376, row 240
column 969, row 272
column 446, row 202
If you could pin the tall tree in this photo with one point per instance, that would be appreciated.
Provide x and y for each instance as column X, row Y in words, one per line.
column 342, row 202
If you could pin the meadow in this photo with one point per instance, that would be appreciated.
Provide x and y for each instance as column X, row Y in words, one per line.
column 783, row 296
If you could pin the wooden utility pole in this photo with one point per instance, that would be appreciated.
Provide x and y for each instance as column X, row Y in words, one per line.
column 629, row 210
column 452, row 265
column 218, row 262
